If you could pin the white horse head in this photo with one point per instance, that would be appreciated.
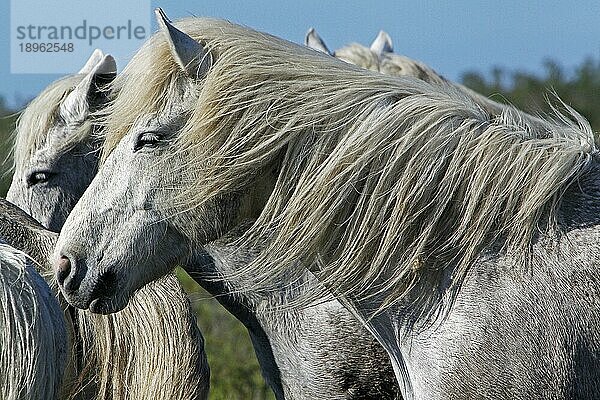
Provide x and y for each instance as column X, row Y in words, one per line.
column 55, row 143
column 57, row 154
column 379, row 56
column 148, row 145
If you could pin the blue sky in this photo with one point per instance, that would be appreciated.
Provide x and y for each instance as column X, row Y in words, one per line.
column 451, row 36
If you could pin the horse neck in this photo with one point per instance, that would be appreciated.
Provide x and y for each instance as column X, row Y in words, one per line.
column 209, row 265
column 215, row 267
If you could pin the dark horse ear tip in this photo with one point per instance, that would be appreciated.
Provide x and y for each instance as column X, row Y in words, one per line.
column 315, row 42
column 161, row 16
column 164, row 23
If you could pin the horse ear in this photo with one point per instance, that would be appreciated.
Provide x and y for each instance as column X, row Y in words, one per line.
column 94, row 59
column 382, row 44
column 191, row 56
column 314, row 41
column 89, row 92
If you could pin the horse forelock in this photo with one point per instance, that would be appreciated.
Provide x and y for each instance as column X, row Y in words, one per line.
column 151, row 81
column 385, row 182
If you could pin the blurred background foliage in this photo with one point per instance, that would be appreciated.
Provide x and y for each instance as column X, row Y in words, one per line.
column 579, row 89
column 235, row 373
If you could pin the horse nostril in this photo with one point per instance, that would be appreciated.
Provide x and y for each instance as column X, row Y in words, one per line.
column 63, row 269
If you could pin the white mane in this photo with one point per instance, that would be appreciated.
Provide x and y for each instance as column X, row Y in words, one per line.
column 385, row 183
column 33, row 336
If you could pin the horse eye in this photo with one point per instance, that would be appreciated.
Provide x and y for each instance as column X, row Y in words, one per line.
column 146, row 139
column 37, row 177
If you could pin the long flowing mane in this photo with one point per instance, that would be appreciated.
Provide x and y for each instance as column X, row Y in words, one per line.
column 385, row 184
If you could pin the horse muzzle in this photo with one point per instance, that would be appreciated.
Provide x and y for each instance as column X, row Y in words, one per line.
column 84, row 289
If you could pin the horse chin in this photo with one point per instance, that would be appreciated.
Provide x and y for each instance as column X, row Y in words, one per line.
column 105, row 305
column 98, row 298
column 76, row 301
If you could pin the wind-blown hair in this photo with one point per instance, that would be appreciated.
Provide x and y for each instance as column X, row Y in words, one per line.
column 33, row 337
column 385, row 184
column 161, row 356
column 398, row 65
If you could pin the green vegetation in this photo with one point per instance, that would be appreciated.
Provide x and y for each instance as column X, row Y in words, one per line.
column 580, row 89
column 235, row 373
column 234, row 370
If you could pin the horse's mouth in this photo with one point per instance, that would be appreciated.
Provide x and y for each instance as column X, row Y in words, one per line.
column 101, row 297
column 104, row 297
column 96, row 304
column 108, row 304
column 76, row 301
column 105, row 286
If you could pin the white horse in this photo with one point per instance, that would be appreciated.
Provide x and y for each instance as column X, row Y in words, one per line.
column 379, row 57
column 56, row 157
column 464, row 240
column 320, row 351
